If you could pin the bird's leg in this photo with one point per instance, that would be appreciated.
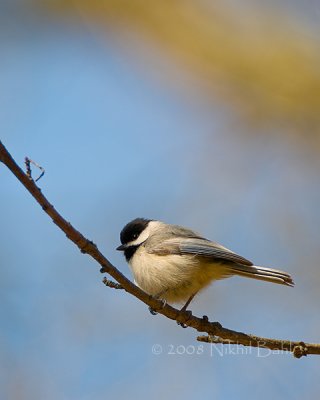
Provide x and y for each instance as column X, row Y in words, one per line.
column 158, row 297
column 184, row 309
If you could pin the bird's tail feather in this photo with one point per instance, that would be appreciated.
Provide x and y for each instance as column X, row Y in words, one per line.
column 263, row 273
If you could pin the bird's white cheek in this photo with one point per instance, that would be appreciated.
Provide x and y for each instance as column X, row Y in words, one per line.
column 144, row 235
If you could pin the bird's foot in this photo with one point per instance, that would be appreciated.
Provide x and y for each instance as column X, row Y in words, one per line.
column 163, row 304
column 189, row 315
column 152, row 311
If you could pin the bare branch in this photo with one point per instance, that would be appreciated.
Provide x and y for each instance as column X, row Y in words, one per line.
column 112, row 284
column 27, row 162
column 217, row 334
column 298, row 349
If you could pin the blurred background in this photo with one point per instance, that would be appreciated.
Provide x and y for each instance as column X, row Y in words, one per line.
column 200, row 113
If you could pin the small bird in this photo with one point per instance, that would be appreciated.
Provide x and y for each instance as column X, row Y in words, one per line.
column 174, row 263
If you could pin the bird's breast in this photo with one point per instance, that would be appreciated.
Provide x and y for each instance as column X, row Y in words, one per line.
column 173, row 277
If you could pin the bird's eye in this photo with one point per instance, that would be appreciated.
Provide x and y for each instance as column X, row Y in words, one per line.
column 134, row 236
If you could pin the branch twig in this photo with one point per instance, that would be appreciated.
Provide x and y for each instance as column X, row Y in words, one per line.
column 27, row 162
column 213, row 329
column 112, row 284
column 298, row 349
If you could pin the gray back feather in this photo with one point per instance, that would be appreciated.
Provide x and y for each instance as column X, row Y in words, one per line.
column 173, row 239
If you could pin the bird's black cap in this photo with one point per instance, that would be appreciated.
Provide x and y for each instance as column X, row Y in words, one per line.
column 133, row 229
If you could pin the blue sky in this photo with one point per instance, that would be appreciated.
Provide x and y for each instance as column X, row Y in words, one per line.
column 117, row 144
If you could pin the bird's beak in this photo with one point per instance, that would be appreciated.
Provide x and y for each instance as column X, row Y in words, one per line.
column 122, row 247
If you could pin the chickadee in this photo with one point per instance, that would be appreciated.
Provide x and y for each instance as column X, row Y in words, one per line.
column 173, row 263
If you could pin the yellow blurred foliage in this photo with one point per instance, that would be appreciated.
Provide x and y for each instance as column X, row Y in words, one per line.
column 264, row 64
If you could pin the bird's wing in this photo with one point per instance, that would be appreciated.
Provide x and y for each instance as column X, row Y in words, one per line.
column 199, row 247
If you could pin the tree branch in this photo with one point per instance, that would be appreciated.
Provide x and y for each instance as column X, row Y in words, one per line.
column 298, row 349
column 112, row 284
column 217, row 333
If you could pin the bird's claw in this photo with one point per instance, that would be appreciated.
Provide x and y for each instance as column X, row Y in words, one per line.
column 152, row 311
column 189, row 315
column 184, row 326
column 163, row 304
